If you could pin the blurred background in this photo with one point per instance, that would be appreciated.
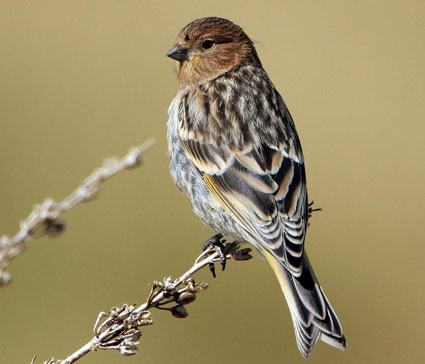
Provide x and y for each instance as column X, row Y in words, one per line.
column 82, row 80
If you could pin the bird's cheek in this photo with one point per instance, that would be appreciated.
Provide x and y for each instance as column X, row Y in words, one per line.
column 184, row 66
column 196, row 61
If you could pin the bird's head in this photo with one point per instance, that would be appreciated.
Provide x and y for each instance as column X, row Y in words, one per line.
column 209, row 47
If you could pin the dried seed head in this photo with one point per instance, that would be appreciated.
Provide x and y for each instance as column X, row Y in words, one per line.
column 5, row 278
column 199, row 287
column 144, row 315
column 54, row 227
column 179, row 311
column 4, row 241
column 129, row 345
column 203, row 286
column 133, row 158
column 186, row 298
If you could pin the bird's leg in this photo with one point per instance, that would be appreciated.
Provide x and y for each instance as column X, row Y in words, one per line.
column 217, row 242
column 310, row 211
column 225, row 251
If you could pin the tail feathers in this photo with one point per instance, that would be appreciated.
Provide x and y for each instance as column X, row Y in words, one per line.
column 313, row 316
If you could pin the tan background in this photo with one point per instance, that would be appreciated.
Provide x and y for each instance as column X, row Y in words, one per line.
column 81, row 80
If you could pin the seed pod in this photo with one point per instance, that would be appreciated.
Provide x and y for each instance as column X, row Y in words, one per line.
column 54, row 227
column 200, row 287
column 179, row 311
column 186, row 298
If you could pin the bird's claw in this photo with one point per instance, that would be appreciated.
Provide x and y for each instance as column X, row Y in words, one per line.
column 225, row 251
column 212, row 269
column 217, row 242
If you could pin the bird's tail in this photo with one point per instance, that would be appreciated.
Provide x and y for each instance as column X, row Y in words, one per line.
column 312, row 314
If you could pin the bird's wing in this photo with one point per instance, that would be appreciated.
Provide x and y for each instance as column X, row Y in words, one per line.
column 261, row 185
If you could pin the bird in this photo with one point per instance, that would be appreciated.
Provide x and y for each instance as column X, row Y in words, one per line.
column 235, row 152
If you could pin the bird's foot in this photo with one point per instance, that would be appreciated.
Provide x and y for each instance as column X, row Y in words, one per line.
column 225, row 251
column 216, row 244
column 310, row 211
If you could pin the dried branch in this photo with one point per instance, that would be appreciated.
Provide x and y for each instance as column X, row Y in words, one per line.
column 44, row 218
column 120, row 328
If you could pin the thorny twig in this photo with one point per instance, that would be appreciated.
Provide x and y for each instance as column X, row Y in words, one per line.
column 120, row 328
column 44, row 218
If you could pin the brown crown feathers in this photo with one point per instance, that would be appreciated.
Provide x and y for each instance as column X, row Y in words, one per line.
column 210, row 47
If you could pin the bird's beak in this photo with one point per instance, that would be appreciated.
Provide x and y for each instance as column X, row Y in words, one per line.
column 178, row 53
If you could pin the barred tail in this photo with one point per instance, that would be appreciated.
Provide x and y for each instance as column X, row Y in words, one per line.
column 312, row 314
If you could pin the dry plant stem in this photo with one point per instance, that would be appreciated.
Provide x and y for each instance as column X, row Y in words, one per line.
column 43, row 220
column 93, row 343
column 106, row 332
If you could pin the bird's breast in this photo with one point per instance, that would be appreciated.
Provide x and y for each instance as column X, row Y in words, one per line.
column 190, row 181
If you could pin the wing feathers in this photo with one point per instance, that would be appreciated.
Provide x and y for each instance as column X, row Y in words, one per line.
column 207, row 157
column 252, row 161
column 260, row 182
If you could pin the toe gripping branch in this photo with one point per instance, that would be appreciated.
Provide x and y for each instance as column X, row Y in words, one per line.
column 217, row 244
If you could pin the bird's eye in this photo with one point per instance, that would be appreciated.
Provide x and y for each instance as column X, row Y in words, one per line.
column 207, row 44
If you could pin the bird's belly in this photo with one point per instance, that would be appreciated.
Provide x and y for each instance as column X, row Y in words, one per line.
column 204, row 204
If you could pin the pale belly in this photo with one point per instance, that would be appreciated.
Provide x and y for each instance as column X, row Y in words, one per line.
column 189, row 180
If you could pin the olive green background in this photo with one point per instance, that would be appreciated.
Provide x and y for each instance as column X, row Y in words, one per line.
column 83, row 80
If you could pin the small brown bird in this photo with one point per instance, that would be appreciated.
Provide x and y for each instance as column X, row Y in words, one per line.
column 235, row 152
